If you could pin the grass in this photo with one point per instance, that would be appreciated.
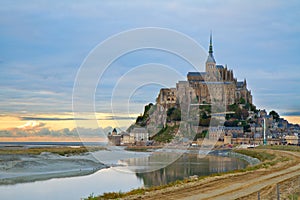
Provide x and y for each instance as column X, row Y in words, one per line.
column 142, row 148
column 57, row 150
column 166, row 134
column 293, row 196
column 280, row 147
column 268, row 160
column 262, row 156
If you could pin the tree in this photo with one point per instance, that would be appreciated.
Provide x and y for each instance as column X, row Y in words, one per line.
column 242, row 101
column 142, row 119
column 200, row 135
column 275, row 115
column 174, row 114
column 203, row 115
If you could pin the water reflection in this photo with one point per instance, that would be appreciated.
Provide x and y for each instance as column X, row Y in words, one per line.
column 189, row 165
column 109, row 180
column 153, row 162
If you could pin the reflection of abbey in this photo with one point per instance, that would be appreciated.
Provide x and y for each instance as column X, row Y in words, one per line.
column 216, row 84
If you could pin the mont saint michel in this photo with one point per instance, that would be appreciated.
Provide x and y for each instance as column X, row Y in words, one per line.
column 213, row 104
column 149, row 100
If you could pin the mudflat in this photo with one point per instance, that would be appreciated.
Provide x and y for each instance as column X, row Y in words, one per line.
column 23, row 164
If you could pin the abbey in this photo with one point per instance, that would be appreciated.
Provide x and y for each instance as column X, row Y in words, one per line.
column 216, row 85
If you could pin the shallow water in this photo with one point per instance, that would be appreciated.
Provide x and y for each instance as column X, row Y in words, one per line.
column 112, row 179
column 104, row 180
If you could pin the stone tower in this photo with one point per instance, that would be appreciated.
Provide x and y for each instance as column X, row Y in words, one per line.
column 210, row 62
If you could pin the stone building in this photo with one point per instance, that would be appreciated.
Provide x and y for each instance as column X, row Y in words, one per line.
column 139, row 134
column 216, row 85
column 127, row 139
column 167, row 97
column 219, row 132
column 114, row 138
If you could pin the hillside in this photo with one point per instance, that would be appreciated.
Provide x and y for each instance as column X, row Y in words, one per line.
column 167, row 122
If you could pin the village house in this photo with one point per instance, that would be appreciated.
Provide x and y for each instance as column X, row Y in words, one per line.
column 139, row 134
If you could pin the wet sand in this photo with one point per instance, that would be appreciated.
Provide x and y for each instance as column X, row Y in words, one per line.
column 20, row 168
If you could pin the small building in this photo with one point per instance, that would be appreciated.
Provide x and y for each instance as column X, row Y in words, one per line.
column 126, row 139
column 234, row 131
column 292, row 139
column 114, row 132
column 216, row 133
column 139, row 134
column 256, row 128
column 114, row 140
column 219, row 132
column 227, row 139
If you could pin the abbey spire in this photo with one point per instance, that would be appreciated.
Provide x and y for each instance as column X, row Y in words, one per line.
column 210, row 65
column 210, row 45
column 210, row 58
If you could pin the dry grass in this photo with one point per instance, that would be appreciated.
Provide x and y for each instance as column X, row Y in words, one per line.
column 142, row 148
column 57, row 150
column 280, row 147
column 260, row 155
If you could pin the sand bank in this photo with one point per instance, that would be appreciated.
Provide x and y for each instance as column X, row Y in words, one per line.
column 27, row 168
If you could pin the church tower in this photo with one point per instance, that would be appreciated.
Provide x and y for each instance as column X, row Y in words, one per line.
column 210, row 62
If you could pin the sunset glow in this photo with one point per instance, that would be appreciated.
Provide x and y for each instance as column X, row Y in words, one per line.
column 292, row 119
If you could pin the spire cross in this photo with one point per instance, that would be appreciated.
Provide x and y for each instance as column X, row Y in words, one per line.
column 210, row 44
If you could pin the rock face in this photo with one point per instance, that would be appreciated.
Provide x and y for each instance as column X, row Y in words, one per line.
column 157, row 119
column 153, row 119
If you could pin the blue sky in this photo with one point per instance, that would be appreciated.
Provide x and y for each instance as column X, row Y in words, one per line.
column 43, row 43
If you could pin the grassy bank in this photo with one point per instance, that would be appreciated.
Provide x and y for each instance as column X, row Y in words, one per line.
column 57, row 150
column 262, row 156
column 142, row 148
column 280, row 147
column 268, row 159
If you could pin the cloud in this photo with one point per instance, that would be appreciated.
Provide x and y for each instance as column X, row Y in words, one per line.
column 293, row 113
column 32, row 125
column 43, row 45
column 38, row 130
column 50, row 118
column 116, row 118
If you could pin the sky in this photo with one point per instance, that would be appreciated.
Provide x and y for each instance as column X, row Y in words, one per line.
column 44, row 43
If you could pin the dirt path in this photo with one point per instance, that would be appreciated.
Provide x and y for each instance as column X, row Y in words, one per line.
column 232, row 186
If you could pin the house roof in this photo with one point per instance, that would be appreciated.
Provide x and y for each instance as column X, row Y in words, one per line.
column 210, row 59
column 234, row 128
column 196, row 73
column 139, row 130
column 240, row 84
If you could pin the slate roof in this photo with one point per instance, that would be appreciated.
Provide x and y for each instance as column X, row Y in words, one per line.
column 239, row 84
column 196, row 73
column 210, row 59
